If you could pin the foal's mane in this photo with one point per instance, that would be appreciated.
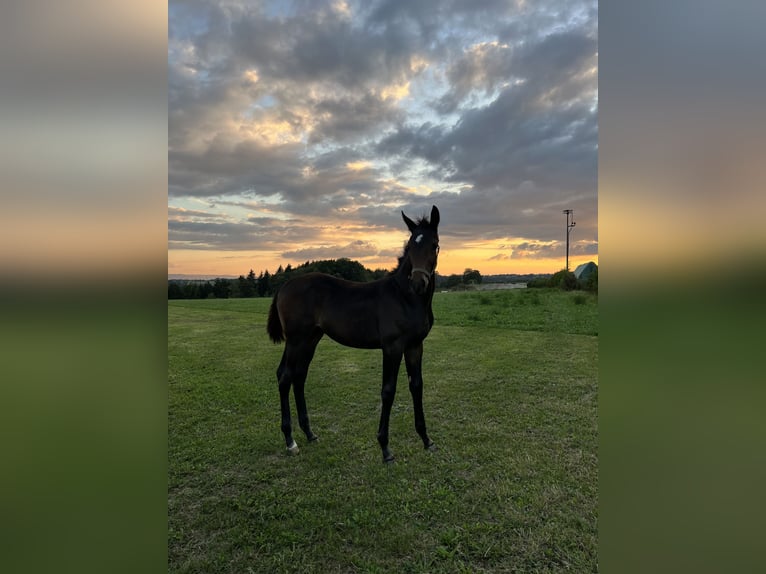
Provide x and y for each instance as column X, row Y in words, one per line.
column 401, row 259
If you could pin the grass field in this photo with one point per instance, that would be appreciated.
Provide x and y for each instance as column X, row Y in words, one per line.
column 510, row 395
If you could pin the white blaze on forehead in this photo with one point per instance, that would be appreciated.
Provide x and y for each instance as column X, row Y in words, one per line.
column 419, row 238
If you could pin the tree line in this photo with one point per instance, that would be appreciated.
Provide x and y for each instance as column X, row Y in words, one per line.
column 567, row 281
column 265, row 284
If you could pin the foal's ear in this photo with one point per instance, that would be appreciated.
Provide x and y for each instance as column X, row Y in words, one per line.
column 434, row 217
column 410, row 224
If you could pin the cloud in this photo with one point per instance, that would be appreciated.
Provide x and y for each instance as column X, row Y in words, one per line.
column 322, row 46
column 254, row 233
column 484, row 66
column 183, row 214
column 348, row 112
column 534, row 250
column 542, row 128
column 354, row 250
column 349, row 117
column 539, row 250
column 524, row 155
column 584, row 248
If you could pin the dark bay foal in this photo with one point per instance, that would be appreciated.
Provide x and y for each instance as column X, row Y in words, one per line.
column 393, row 314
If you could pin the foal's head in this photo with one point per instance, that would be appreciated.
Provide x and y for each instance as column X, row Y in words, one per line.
column 422, row 250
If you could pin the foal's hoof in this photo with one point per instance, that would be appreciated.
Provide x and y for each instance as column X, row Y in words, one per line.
column 431, row 447
column 388, row 459
column 313, row 438
column 293, row 449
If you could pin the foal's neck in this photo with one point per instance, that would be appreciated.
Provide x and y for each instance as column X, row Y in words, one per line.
column 401, row 274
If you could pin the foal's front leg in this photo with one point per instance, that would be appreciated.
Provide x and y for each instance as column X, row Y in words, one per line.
column 413, row 358
column 391, row 362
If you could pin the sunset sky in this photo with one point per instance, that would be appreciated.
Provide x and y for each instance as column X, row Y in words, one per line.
column 299, row 130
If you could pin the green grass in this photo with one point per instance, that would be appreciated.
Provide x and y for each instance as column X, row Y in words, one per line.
column 510, row 399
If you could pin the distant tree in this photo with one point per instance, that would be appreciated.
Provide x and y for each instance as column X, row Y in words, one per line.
column 221, row 288
column 190, row 290
column 261, row 287
column 539, row 282
column 378, row 274
column 267, row 284
column 471, row 277
column 351, row 270
column 174, row 290
column 252, row 284
column 244, row 288
column 204, row 289
column 563, row 279
column 278, row 279
column 235, row 286
column 453, row 281
column 343, row 268
column 265, row 289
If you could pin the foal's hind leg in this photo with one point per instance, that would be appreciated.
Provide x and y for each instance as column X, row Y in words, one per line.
column 284, row 376
column 292, row 371
column 303, row 359
column 412, row 360
column 303, row 415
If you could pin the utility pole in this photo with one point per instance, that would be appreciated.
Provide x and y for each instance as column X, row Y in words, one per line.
column 570, row 224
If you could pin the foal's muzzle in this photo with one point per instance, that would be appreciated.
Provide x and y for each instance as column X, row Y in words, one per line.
column 425, row 274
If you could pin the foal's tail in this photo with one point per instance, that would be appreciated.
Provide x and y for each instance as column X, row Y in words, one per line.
column 274, row 325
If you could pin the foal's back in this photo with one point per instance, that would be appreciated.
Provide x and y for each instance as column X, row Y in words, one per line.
column 346, row 311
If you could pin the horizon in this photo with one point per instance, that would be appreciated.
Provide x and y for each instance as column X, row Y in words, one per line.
column 205, row 277
column 300, row 134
